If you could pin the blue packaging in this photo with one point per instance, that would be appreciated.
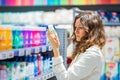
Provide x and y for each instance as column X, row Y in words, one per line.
column 104, row 16
column 35, row 65
column 114, row 17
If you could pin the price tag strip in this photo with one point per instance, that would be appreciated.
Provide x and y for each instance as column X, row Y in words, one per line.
column 28, row 51
column 49, row 48
column 37, row 49
column 21, row 52
column 10, row 54
column 4, row 55
column 43, row 48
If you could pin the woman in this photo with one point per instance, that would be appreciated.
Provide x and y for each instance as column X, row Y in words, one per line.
column 89, row 38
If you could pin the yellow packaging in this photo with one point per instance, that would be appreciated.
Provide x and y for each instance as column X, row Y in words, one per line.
column 2, row 38
column 8, row 39
column 5, row 38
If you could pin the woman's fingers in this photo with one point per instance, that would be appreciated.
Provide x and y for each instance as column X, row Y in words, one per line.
column 53, row 39
column 56, row 38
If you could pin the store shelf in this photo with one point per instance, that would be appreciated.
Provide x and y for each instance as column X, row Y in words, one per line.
column 23, row 51
column 112, row 23
column 113, row 37
column 44, row 76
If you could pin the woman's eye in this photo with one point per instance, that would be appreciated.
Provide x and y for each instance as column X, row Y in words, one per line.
column 81, row 28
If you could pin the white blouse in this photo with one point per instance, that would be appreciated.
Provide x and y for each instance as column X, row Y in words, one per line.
column 86, row 66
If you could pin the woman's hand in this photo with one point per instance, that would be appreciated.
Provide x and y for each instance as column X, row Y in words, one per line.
column 54, row 42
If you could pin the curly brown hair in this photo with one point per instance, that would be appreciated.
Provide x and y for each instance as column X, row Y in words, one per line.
column 92, row 22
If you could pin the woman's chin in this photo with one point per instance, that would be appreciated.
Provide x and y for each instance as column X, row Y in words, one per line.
column 77, row 39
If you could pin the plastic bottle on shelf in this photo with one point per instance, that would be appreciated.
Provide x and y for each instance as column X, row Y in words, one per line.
column 31, row 37
column 51, row 28
column 50, row 62
column 2, row 38
column 14, row 71
column 114, row 17
column 45, row 63
column 42, row 65
column 14, row 37
column 42, row 35
column 118, row 70
column 27, row 34
column 31, row 67
column 5, row 37
column 36, row 36
column 8, row 37
column 39, row 63
column 17, row 37
column 27, row 68
column 112, row 70
column 3, row 72
column 26, row 37
column 104, row 16
column 22, row 68
column 9, row 70
column 35, row 65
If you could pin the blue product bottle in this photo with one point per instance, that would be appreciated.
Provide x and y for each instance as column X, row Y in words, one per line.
column 47, row 63
column 35, row 65
column 44, row 63
column 51, row 63
column 27, row 70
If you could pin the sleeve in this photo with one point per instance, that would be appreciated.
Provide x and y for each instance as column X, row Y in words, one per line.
column 79, row 70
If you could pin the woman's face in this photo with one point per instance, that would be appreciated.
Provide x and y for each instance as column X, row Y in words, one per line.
column 79, row 30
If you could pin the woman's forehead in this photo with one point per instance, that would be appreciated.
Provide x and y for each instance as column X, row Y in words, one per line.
column 78, row 23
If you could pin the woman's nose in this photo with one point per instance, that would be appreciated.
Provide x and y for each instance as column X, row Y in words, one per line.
column 76, row 31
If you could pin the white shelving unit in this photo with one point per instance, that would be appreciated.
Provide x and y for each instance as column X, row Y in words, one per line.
column 62, row 34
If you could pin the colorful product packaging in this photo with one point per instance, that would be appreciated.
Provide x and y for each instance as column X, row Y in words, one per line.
column 17, row 37
column 114, row 17
column 112, row 71
column 5, row 37
column 36, row 36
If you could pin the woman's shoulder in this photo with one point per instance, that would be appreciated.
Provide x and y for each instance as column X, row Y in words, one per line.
column 92, row 54
column 93, row 48
column 93, row 51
